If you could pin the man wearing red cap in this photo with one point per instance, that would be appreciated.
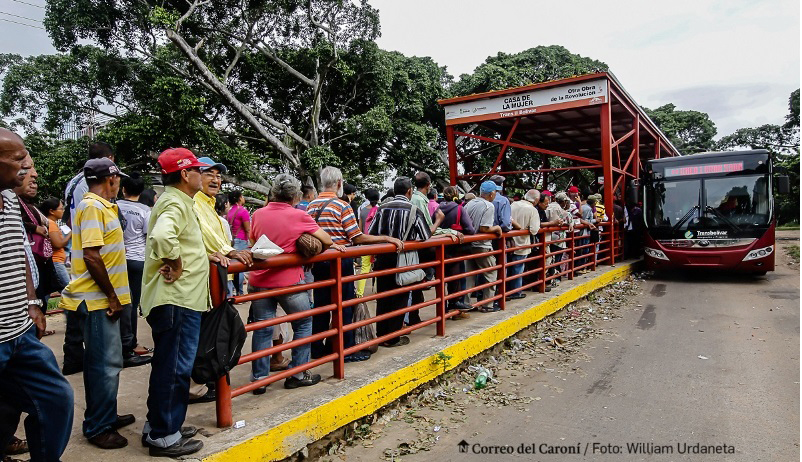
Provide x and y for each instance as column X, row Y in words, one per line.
column 175, row 291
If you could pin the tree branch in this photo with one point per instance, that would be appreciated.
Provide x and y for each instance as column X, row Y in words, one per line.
column 242, row 109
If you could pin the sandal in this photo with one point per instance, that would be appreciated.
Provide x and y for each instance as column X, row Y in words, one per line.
column 489, row 309
column 357, row 357
column 403, row 340
column 17, row 446
column 140, row 350
column 48, row 332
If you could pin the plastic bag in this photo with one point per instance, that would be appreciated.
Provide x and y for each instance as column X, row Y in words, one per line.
column 364, row 333
column 264, row 248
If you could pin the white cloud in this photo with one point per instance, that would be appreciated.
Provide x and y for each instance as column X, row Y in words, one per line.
column 657, row 50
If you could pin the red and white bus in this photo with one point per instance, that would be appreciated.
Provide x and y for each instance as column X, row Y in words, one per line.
column 711, row 210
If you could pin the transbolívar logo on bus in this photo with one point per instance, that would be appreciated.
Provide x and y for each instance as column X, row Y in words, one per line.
column 716, row 234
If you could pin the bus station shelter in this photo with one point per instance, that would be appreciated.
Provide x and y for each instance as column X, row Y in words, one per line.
column 590, row 121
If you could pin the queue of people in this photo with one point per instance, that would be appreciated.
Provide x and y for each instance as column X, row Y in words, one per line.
column 141, row 256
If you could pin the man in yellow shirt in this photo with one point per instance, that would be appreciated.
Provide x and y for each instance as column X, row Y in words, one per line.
column 97, row 295
column 175, row 291
column 216, row 241
column 218, row 245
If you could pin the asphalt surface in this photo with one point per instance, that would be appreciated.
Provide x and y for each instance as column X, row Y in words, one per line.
column 701, row 359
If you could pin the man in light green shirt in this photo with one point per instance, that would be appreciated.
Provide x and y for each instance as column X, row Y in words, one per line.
column 175, row 291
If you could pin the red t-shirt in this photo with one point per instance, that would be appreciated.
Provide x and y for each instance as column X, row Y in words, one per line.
column 283, row 225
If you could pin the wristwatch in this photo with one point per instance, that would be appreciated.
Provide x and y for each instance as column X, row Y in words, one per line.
column 37, row 302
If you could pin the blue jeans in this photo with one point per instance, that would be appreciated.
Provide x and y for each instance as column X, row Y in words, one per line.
column 176, row 331
column 239, row 280
column 514, row 270
column 103, row 361
column 30, row 382
column 265, row 308
column 322, row 322
column 130, row 315
column 62, row 275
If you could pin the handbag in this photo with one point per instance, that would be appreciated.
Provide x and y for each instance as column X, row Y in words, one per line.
column 40, row 245
column 457, row 226
column 409, row 258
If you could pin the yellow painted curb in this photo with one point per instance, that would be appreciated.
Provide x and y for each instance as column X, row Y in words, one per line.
column 284, row 440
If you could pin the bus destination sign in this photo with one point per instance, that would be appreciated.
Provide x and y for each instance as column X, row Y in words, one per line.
column 706, row 169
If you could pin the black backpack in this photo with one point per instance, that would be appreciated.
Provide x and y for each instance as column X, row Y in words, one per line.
column 222, row 335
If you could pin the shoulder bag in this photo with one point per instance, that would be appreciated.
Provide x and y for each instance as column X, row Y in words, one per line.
column 409, row 258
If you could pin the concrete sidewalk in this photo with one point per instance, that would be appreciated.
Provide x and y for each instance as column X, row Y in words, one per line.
column 281, row 422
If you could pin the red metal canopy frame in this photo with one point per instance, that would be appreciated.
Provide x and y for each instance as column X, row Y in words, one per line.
column 589, row 120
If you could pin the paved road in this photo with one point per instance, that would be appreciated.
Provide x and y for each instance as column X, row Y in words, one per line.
column 699, row 358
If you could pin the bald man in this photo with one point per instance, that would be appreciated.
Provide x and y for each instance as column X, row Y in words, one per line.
column 30, row 380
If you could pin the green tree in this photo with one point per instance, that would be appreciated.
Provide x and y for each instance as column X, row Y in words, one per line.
column 689, row 131
column 783, row 143
column 792, row 119
column 535, row 65
column 236, row 51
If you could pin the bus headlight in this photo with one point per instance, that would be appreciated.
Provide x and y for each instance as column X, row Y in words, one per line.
column 759, row 253
column 654, row 253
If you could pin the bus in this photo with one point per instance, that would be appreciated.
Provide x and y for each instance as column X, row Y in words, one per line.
column 711, row 210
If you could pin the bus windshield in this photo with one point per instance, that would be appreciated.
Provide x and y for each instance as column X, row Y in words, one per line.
column 730, row 202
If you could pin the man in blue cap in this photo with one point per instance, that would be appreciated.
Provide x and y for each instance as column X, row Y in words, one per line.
column 481, row 211
column 215, row 239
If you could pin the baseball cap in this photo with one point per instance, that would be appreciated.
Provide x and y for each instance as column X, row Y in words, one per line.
column 212, row 164
column 498, row 180
column 573, row 189
column 176, row 159
column 488, row 187
column 100, row 168
column 545, row 192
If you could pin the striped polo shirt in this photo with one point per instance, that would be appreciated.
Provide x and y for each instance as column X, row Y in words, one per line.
column 337, row 219
column 14, row 319
column 96, row 225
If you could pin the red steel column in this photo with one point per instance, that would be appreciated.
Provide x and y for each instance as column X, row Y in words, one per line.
column 503, row 273
column 636, row 145
column 544, row 247
column 337, row 318
column 225, row 417
column 440, row 288
column 452, row 155
column 607, row 166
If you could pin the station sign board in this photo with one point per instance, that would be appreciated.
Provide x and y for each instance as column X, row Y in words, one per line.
column 588, row 93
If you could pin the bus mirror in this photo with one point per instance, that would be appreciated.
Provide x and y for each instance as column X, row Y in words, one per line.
column 632, row 192
column 783, row 185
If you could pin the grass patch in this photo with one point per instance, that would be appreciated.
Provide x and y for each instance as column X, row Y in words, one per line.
column 52, row 304
column 793, row 253
column 790, row 226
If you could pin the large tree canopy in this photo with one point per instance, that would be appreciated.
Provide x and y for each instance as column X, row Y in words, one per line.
column 783, row 143
column 268, row 63
column 689, row 131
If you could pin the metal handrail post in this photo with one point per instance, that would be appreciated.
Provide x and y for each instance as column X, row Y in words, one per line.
column 225, row 417
column 337, row 318
column 503, row 270
column 440, row 289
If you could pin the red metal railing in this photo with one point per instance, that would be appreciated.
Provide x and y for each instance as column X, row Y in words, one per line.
column 573, row 252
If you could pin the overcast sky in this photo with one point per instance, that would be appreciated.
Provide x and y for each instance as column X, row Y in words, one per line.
column 737, row 60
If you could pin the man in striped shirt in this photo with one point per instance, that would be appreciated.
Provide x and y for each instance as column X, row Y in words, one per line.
column 393, row 219
column 337, row 219
column 96, row 297
column 30, row 381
